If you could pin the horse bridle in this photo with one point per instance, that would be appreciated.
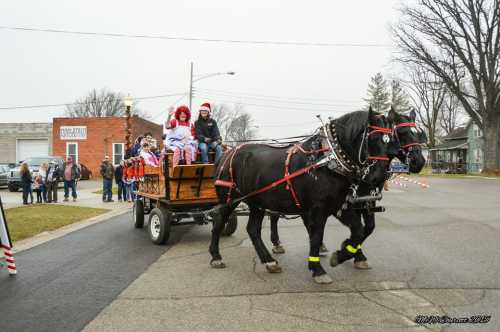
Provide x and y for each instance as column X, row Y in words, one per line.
column 338, row 158
column 409, row 147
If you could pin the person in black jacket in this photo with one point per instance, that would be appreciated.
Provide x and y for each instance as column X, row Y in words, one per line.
column 207, row 134
column 26, row 182
column 122, row 190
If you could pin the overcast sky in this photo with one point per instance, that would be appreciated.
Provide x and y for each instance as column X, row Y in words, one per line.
column 283, row 87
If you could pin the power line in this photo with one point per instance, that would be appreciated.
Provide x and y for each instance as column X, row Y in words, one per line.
column 273, row 107
column 82, row 103
column 279, row 97
column 278, row 100
column 194, row 39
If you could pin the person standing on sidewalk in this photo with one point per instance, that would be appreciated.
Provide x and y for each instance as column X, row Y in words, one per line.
column 43, row 186
column 26, row 182
column 52, row 182
column 119, row 179
column 71, row 175
column 107, row 173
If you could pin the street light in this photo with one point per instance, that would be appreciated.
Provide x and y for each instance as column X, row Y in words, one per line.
column 192, row 79
column 128, row 101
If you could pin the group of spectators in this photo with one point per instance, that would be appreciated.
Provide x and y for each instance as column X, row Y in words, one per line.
column 45, row 182
column 124, row 177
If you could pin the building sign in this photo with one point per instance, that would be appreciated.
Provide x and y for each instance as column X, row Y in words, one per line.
column 73, row 132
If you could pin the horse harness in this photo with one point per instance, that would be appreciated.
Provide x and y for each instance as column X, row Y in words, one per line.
column 337, row 161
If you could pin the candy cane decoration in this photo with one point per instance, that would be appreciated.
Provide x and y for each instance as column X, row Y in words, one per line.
column 422, row 184
column 6, row 244
column 396, row 182
column 9, row 259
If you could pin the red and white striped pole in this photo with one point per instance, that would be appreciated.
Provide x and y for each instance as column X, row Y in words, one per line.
column 6, row 243
column 9, row 258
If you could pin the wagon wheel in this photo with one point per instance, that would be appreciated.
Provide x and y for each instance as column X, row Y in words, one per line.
column 138, row 213
column 159, row 225
column 231, row 225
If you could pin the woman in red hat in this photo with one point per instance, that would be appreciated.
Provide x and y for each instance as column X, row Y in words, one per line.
column 180, row 133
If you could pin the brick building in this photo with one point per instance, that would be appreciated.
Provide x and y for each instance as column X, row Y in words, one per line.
column 88, row 140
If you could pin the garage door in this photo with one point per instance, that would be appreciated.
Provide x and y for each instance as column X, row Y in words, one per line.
column 27, row 148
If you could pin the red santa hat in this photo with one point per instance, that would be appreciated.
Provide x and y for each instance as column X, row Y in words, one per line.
column 205, row 107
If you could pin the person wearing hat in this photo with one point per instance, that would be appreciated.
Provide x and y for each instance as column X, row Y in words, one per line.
column 51, row 181
column 107, row 173
column 207, row 134
column 71, row 174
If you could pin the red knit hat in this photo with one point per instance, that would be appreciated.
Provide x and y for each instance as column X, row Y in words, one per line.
column 182, row 109
column 205, row 107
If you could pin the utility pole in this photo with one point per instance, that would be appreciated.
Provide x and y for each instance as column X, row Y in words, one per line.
column 191, row 87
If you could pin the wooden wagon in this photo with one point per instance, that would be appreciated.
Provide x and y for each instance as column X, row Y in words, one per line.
column 173, row 196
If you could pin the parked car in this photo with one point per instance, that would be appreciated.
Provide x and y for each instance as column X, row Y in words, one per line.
column 4, row 174
column 85, row 173
column 14, row 177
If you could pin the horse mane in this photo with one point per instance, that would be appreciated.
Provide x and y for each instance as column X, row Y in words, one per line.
column 351, row 125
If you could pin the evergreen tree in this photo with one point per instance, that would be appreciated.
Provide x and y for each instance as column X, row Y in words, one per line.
column 378, row 95
column 399, row 98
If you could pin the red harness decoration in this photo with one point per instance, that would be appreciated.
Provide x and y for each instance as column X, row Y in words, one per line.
column 379, row 130
column 296, row 148
column 287, row 178
column 406, row 124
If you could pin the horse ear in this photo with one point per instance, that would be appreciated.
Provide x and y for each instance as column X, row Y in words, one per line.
column 371, row 115
column 413, row 115
column 392, row 115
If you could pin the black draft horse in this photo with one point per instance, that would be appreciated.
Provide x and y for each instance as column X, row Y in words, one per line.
column 406, row 146
column 361, row 140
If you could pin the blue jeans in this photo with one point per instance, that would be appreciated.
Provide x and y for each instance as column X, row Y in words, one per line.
column 107, row 192
column 27, row 191
column 122, row 190
column 43, row 188
column 130, row 191
column 204, row 147
column 67, row 185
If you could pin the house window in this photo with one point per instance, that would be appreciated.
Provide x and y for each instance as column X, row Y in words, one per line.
column 72, row 151
column 477, row 131
column 118, row 152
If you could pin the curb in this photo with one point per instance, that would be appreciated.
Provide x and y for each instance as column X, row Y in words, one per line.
column 60, row 232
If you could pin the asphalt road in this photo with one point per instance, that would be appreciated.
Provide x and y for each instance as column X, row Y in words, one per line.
column 434, row 252
column 63, row 284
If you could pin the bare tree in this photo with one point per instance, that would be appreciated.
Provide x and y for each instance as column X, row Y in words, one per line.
column 459, row 41
column 427, row 95
column 451, row 116
column 234, row 123
column 100, row 103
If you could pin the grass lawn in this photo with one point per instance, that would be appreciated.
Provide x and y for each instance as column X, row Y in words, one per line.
column 27, row 221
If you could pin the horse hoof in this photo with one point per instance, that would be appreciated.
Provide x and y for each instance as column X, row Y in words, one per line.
column 362, row 265
column 273, row 267
column 323, row 249
column 278, row 249
column 334, row 260
column 217, row 264
column 323, row 279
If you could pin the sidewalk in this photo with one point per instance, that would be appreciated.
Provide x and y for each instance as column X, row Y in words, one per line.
column 86, row 197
